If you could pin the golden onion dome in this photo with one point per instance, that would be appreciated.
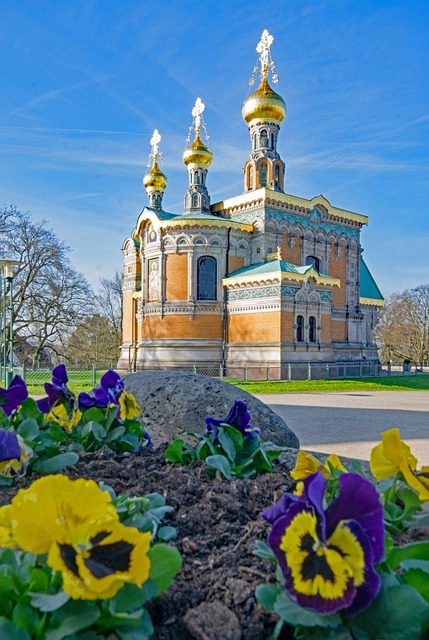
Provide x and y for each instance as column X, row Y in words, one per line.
column 154, row 179
column 264, row 105
column 197, row 153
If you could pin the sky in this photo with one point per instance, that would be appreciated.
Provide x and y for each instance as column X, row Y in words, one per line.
column 83, row 85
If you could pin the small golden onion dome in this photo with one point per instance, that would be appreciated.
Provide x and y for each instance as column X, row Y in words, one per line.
column 264, row 105
column 197, row 153
column 154, row 180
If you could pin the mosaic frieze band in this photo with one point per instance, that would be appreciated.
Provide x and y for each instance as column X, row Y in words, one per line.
column 285, row 291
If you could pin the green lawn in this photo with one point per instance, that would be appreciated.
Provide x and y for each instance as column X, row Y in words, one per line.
column 393, row 383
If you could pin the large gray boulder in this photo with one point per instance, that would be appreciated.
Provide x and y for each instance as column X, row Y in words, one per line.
column 173, row 402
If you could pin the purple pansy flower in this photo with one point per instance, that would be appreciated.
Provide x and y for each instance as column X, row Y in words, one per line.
column 238, row 417
column 9, row 446
column 111, row 387
column 13, row 396
column 57, row 390
column 327, row 557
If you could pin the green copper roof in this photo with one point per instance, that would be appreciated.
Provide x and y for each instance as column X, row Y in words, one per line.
column 272, row 266
column 368, row 287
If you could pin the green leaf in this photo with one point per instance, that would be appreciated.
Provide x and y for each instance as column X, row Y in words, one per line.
column 47, row 602
column 94, row 414
column 10, row 632
column 262, row 550
column 96, row 429
column 56, row 463
column 414, row 551
column 397, row 612
column 221, row 464
column 167, row 533
column 24, row 617
column 173, row 453
column 128, row 599
column 294, row 615
column 165, row 563
column 29, row 409
column 261, row 461
column 419, row 580
column 28, row 429
column 73, row 616
column 267, row 594
column 227, row 444
column 144, row 631
column 115, row 434
column 39, row 581
column 420, row 521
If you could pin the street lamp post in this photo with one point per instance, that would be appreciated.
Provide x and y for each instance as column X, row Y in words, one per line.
column 6, row 289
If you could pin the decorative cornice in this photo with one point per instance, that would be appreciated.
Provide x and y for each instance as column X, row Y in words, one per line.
column 216, row 222
column 269, row 196
column 371, row 302
column 281, row 276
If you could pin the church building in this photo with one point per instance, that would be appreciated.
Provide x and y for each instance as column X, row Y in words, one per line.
column 260, row 278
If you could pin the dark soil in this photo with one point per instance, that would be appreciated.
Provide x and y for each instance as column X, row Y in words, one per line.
column 217, row 523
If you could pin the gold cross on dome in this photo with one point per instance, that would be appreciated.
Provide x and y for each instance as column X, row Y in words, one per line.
column 154, row 141
column 263, row 47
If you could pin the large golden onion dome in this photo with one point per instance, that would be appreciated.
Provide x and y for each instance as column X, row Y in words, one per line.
column 264, row 105
column 154, row 179
column 197, row 153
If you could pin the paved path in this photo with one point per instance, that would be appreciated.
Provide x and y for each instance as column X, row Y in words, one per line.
column 350, row 423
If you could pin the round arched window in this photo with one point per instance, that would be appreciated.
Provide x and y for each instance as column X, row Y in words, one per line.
column 206, row 278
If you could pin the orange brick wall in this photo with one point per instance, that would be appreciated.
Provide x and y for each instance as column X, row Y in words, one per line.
column 338, row 330
column 255, row 327
column 234, row 263
column 180, row 326
column 292, row 255
column 287, row 330
column 325, row 334
column 128, row 317
column 337, row 269
column 176, row 285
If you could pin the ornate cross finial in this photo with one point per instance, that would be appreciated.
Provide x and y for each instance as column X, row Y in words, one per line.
column 198, row 120
column 154, row 141
column 155, row 153
column 197, row 112
column 265, row 60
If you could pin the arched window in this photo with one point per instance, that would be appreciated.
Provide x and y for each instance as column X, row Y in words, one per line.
column 313, row 261
column 263, row 140
column 250, row 177
column 272, row 141
column 206, row 278
column 263, row 175
column 195, row 200
column 300, row 328
column 254, row 141
column 277, row 175
column 312, row 329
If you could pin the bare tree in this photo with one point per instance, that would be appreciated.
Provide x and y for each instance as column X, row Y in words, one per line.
column 109, row 300
column 49, row 296
column 403, row 331
column 94, row 343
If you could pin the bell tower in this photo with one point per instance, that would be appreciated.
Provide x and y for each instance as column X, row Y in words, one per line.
column 155, row 181
column 263, row 111
column 197, row 158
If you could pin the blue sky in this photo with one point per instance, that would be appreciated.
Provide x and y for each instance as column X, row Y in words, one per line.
column 84, row 84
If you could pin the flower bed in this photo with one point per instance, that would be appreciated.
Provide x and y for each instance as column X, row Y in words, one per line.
column 325, row 521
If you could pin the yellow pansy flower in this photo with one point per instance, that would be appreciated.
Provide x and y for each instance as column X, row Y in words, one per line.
column 6, row 535
column 392, row 456
column 55, row 508
column 128, row 407
column 101, row 559
column 64, row 417
column 307, row 464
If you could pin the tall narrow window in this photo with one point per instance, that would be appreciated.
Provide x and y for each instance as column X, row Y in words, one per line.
column 312, row 329
column 195, row 200
column 272, row 141
column 300, row 328
column 263, row 175
column 277, row 175
column 206, row 278
column 250, row 177
column 313, row 261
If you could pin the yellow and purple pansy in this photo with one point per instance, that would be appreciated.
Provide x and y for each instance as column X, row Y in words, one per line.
column 111, row 392
column 307, row 464
column 15, row 454
column 13, row 396
column 238, row 417
column 57, row 391
column 327, row 557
